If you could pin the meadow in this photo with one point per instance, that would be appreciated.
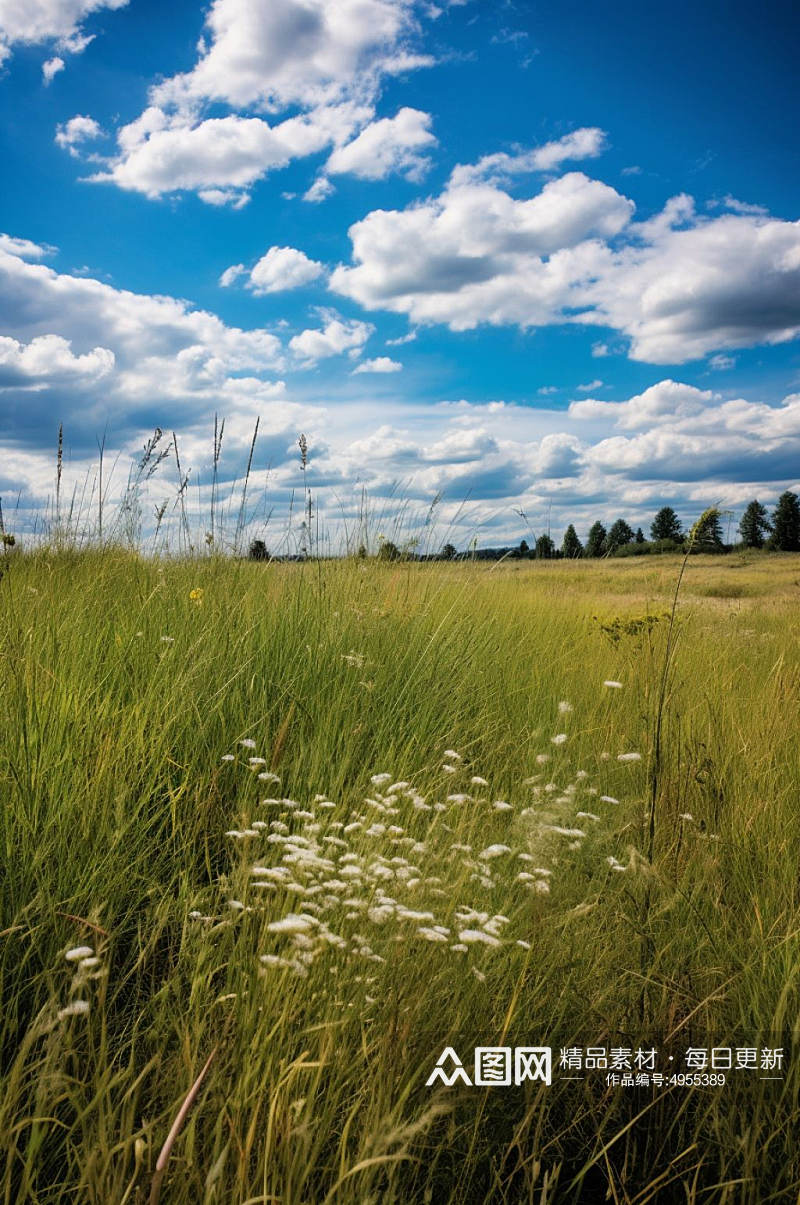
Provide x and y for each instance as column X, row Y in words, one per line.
column 302, row 826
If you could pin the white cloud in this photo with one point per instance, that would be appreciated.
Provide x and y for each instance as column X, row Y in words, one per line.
column 678, row 286
column 49, row 359
column 80, row 129
column 321, row 61
column 664, row 402
column 220, row 157
column 23, row 247
column 319, row 190
column 72, row 332
column 283, row 268
column 379, row 364
column 232, row 274
column 475, row 254
column 393, row 144
column 51, row 68
column 37, row 21
column 585, row 143
column 589, row 386
column 291, row 52
column 730, row 282
column 335, row 337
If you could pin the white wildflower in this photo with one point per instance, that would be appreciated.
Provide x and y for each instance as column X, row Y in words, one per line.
column 564, row 707
column 608, row 799
column 77, row 953
column 248, row 743
column 452, row 755
column 494, row 851
column 474, row 936
column 629, row 757
column 293, row 923
column 613, row 685
column 76, row 1008
column 500, row 805
column 559, row 738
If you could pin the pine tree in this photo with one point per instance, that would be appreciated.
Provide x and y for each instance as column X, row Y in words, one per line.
column 666, row 525
column 706, row 534
column 619, row 534
column 639, row 537
column 754, row 526
column 545, row 547
column 596, row 540
column 786, row 523
column 571, row 546
column 524, row 548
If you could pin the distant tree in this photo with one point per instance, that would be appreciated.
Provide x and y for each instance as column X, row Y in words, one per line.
column 754, row 526
column 388, row 551
column 596, row 540
column 449, row 552
column 786, row 524
column 524, row 548
column 639, row 537
column 258, row 551
column 571, row 546
column 545, row 548
column 666, row 525
column 362, row 552
column 706, row 534
column 620, row 533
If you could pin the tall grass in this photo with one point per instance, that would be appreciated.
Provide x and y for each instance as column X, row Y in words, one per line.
column 125, row 682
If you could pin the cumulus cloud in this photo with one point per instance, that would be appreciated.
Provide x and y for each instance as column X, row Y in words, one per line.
column 72, row 134
column 283, row 268
column 379, row 364
column 476, row 254
column 48, row 359
column 678, row 286
column 585, row 143
column 291, row 52
column 730, row 282
column 122, row 351
column 320, row 61
column 51, row 68
column 335, row 337
column 23, row 248
column 393, row 144
column 40, row 21
column 666, row 401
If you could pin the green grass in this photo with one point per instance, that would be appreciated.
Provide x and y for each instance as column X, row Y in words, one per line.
column 115, row 807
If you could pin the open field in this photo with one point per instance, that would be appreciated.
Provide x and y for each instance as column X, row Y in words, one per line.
column 390, row 918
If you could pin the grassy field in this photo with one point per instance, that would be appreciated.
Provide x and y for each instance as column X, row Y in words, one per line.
column 310, row 823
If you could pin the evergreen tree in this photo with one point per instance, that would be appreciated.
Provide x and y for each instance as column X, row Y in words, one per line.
column 524, row 548
column 786, row 524
column 545, row 548
column 596, row 540
column 258, row 551
column 754, row 526
column 620, row 533
column 706, row 534
column 571, row 546
column 448, row 553
column 639, row 537
column 666, row 525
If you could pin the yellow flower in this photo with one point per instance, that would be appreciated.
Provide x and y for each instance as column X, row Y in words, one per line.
column 196, row 595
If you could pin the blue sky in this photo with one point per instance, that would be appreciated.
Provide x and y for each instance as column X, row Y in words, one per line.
column 528, row 255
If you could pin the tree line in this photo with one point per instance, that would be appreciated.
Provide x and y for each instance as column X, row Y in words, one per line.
column 778, row 532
